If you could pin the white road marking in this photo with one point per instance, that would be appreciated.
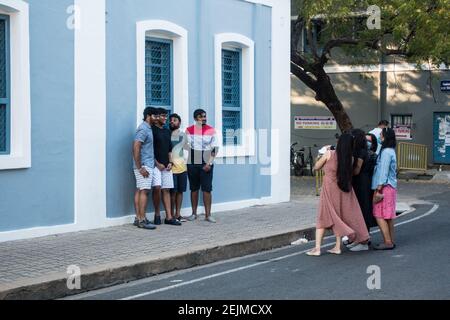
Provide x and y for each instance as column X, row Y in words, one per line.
column 212, row 276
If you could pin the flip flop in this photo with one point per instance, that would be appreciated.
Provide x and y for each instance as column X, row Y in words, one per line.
column 313, row 254
column 334, row 252
column 382, row 246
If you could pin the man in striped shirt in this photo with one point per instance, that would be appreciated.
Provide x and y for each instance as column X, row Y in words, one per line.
column 202, row 141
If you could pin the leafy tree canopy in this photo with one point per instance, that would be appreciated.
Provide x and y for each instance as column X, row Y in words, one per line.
column 415, row 30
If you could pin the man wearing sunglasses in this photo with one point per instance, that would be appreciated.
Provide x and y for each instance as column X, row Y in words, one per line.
column 163, row 178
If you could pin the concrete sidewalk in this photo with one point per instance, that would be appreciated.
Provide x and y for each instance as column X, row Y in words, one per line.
column 37, row 268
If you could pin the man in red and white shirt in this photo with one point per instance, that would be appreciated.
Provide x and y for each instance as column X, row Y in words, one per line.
column 202, row 141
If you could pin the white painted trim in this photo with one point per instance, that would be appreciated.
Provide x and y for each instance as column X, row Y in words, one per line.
column 36, row 232
column 216, row 207
column 387, row 67
column 111, row 222
column 280, row 175
column 20, row 143
column 179, row 36
column 269, row 3
column 90, row 115
column 223, row 40
column 281, row 128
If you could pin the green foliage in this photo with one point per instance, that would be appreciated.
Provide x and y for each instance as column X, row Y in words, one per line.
column 418, row 29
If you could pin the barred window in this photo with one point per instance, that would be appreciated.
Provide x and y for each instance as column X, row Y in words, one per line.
column 158, row 73
column 401, row 119
column 231, row 96
column 4, row 86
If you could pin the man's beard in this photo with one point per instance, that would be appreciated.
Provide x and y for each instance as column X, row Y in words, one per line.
column 203, row 122
column 173, row 128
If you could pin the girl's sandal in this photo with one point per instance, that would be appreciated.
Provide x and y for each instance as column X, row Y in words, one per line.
column 334, row 251
column 313, row 253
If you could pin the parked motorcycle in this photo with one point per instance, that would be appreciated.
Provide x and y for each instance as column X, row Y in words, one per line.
column 297, row 160
column 299, row 164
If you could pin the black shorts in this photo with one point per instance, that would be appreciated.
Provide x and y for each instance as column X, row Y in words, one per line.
column 179, row 182
column 199, row 178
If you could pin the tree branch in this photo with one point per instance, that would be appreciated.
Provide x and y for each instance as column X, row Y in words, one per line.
column 375, row 45
column 303, row 76
column 299, row 60
column 396, row 52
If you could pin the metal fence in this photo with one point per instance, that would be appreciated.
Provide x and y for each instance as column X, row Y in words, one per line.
column 411, row 156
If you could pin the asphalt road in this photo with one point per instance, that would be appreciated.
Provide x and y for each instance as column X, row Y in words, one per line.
column 419, row 268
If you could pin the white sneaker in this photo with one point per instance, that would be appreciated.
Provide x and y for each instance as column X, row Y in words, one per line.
column 359, row 247
column 299, row 241
column 345, row 240
column 210, row 219
column 351, row 245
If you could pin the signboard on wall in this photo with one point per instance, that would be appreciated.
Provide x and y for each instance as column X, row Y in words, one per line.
column 445, row 86
column 315, row 123
column 402, row 132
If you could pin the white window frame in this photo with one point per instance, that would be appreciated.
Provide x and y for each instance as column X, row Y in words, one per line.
column 247, row 47
column 164, row 30
column 20, row 107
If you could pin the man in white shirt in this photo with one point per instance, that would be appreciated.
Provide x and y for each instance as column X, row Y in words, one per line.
column 377, row 132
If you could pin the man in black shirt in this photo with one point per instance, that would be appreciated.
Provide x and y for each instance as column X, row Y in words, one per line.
column 163, row 178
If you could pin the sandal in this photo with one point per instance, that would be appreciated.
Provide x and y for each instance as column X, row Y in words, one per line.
column 313, row 253
column 383, row 246
column 334, row 252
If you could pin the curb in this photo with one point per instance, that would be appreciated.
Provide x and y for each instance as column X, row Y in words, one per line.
column 55, row 287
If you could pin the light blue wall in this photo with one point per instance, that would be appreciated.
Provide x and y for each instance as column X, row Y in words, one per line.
column 43, row 194
column 202, row 19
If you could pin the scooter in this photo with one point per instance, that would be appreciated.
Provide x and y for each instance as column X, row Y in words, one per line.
column 297, row 160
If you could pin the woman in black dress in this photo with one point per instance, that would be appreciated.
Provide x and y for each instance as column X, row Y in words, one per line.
column 364, row 165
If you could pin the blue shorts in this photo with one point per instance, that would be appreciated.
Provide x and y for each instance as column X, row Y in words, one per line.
column 179, row 182
column 198, row 178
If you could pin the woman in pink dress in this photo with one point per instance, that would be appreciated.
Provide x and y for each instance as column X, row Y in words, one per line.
column 339, row 209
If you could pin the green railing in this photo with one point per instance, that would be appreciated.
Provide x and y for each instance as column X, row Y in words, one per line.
column 411, row 156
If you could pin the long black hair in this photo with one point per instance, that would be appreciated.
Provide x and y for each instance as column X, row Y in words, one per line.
column 359, row 142
column 389, row 139
column 344, row 153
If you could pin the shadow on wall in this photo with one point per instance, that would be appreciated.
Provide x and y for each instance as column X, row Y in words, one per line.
column 358, row 93
column 405, row 92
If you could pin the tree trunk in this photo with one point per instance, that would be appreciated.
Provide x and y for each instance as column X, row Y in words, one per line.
column 322, row 86
column 326, row 94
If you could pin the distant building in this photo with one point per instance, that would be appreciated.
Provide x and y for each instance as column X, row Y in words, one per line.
column 394, row 90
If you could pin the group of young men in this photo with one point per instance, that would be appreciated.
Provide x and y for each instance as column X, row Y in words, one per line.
column 160, row 166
